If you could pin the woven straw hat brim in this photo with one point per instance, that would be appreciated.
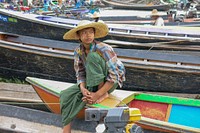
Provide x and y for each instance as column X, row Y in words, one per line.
column 101, row 30
column 156, row 14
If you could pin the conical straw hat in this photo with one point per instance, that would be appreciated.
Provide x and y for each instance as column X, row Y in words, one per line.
column 101, row 30
column 155, row 12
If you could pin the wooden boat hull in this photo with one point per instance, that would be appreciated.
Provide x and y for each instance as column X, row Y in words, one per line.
column 161, row 113
column 145, row 71
column 30, row 27
column 135, row 6
column 53, row 101
column 21, row 95
column 18, row 119
column 54, row 28
column 186, row 22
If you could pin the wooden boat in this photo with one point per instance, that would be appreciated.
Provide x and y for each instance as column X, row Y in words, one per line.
column 161, row 113
column 22, row 95
column 147, row 70
column 137, row 5
column 173, row 17
column 20, row 120
column 172, row 45
column 188, row 22
column 128, row 18
column 54, row 28
column 153, row 33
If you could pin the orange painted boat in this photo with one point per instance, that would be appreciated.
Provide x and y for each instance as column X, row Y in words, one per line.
column 160, row 113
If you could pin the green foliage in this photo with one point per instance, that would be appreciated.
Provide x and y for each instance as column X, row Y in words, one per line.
column 13, row 80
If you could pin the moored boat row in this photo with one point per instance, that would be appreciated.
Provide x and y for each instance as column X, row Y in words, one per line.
column 53, row 28
column 146, row 70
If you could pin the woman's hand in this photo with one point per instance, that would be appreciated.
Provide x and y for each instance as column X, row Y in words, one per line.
column 83, row 89
column 92, row 98
column 85, row 93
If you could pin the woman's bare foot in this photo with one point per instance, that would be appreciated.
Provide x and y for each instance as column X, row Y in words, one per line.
column 104, row 96
column 67, row 128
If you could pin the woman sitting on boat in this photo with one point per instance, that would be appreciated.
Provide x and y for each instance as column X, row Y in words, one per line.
column 158, row 20
column 98, row 70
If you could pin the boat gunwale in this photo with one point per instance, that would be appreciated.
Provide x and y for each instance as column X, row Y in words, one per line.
column 167, row 99
column 43, row 87
column 167, row 125
column 129, row 62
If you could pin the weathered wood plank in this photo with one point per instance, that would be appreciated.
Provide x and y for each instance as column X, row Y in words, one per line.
column 19, row 125
column 11, row 91
column 28, row 120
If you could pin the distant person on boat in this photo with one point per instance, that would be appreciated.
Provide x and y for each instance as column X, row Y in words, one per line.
column 95, row 16
column 158, row 20
column 98, row 70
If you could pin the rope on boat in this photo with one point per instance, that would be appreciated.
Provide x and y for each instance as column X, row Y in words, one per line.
column 150, row 48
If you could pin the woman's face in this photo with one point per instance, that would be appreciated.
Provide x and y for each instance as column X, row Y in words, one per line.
column 86, row 36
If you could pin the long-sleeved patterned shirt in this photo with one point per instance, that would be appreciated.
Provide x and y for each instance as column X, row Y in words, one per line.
column 116, row 70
